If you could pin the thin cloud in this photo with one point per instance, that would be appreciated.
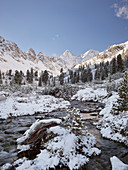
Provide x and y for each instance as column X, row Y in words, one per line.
column 121, row 10
column 55, row 37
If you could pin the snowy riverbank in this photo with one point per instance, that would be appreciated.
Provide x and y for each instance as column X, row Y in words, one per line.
column 29, row 104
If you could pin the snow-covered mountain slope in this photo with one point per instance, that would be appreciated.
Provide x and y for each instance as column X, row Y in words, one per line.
column 89, row 54
column 12, row 57
column 70, row 59
column 94, row 57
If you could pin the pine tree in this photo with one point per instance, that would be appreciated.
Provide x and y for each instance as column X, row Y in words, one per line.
column 97, row 74
column 106, row 70
column 89, row 74
column 28, row 75
column 102, row 74
column 84, row 76
column 74, row 122
column 31, row 76
column 45, row 77
column 10, row 72
column 95, row 66
column 54, row 81
column 36, row 75
column 40, row 81
column 68, row 80
column 122, row 102
column 107, row 63
column 1, row 78
column 61, row 78
column 119, row 63
column 78, row 77
column 71, row 74
column 113, row 66
column 18, row 77
column 75, row 77
column 0, row 75
column 126, row 61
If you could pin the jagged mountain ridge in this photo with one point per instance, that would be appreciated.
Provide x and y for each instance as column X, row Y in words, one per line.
column 94, row 57
column 12, row 57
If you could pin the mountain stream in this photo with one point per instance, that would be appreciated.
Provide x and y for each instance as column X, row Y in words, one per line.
column 13, row 128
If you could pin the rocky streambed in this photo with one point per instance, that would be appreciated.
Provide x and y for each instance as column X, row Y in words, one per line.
column 13, row 128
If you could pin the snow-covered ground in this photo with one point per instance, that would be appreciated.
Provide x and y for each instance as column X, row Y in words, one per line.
column 29, row 104
column 90, row 94
column 64, row 149
column 117, row 164
column 113, row 126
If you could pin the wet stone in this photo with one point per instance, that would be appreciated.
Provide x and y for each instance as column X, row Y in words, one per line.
column 9, row 120
column 21, row 129
column 2, row 139
column 7, row 157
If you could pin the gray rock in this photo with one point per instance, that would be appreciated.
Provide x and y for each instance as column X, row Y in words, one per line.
column 2, row 98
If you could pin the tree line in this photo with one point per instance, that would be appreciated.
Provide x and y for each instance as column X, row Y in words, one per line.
column 82, row 74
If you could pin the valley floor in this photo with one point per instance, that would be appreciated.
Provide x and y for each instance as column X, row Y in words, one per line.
column 19, row 103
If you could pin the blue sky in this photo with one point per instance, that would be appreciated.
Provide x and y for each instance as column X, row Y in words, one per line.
column 52, row 26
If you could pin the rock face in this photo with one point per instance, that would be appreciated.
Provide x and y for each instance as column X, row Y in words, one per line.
column 1, row 39
column 31, row 54
column 70, row 59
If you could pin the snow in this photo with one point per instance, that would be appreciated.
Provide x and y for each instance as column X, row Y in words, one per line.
column 61, row 149
column 11, row 57
column 23, row 147
column 28, row 105
column 117, row 164
column 94, row 57
column 33, row 128
column 108, row 104
column 111, row 126
column 70, row 59
column 90, row 94
column 6, row 166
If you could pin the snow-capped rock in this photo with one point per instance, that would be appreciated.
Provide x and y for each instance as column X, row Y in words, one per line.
column 117, row 164
column 1, row 39
column 89, row 54
column 70, row 59
column 12, row 57
column 94, row 57
column 31, row 54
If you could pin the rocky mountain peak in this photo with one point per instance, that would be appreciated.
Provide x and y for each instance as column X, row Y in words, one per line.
column 67, row 53
column 12, row 57
column 54, row 57
column 1, row 39
column 89, row 54
column 43, row 57
column 31, row 54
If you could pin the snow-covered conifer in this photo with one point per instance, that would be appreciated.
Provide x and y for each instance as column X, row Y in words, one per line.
column 74, row 122
column 122, row 101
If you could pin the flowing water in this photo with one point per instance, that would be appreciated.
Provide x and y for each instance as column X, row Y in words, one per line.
column 13, row 128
